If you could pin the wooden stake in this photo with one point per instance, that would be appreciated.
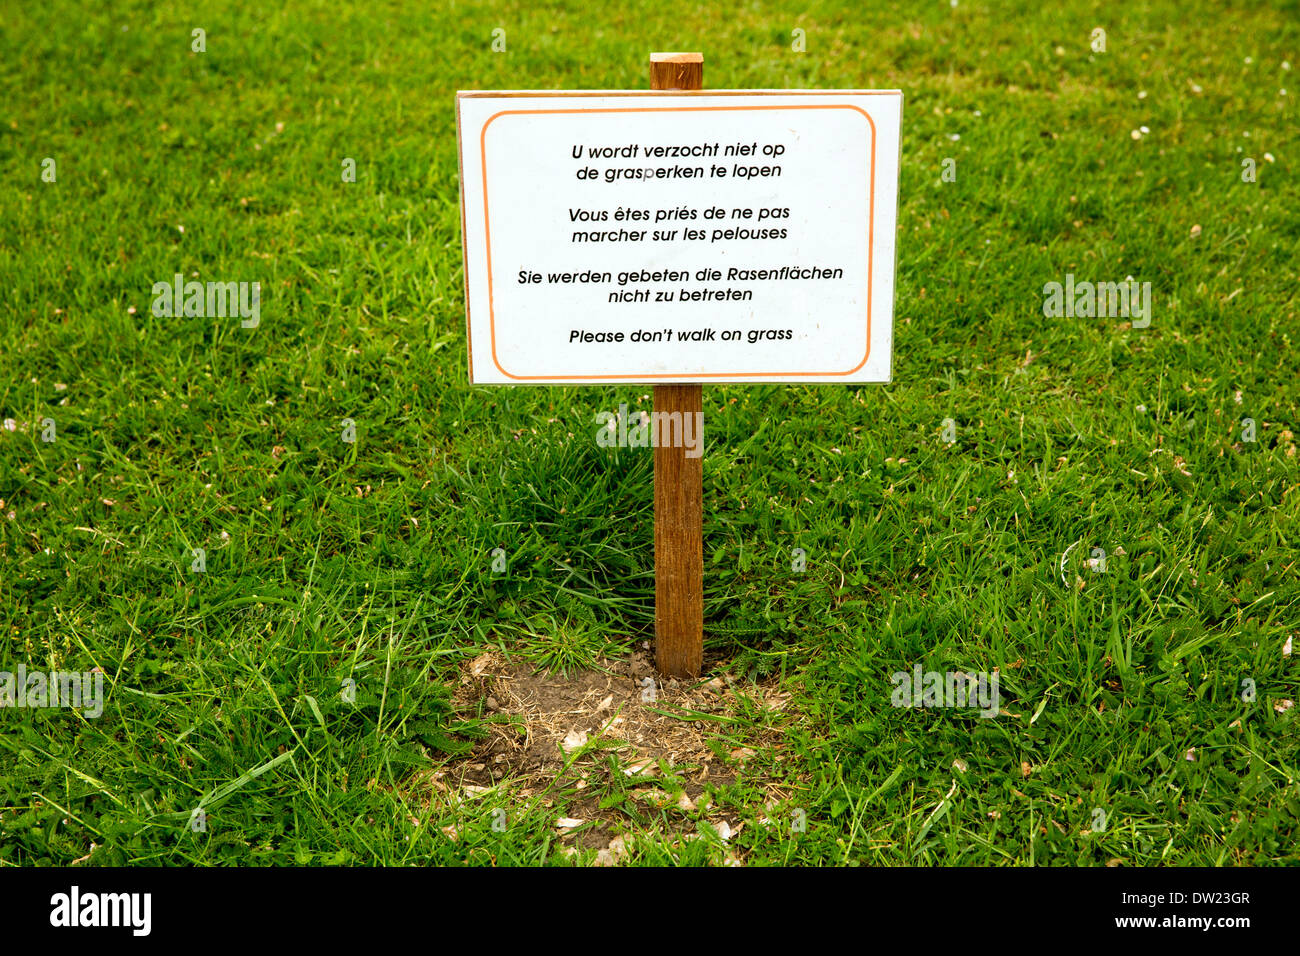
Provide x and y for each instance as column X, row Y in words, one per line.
column 676, row 71
column 679, row 480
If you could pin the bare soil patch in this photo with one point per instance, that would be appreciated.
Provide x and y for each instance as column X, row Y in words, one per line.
column 560, row 737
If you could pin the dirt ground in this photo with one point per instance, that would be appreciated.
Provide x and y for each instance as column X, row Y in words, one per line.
column 671, row 741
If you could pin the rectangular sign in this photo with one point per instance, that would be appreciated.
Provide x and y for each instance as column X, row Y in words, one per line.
column 679, row 237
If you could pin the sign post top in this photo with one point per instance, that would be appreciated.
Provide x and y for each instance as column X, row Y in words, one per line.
column 676, row 71
column 676, row 57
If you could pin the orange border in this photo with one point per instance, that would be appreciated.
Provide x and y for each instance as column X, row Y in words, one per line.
column 651, row 376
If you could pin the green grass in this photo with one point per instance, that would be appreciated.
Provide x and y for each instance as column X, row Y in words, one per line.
column 328, row 562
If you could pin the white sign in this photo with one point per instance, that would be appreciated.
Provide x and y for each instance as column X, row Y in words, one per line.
column 679, row 237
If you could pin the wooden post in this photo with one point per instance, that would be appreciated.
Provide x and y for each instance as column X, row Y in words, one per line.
column 679, row 480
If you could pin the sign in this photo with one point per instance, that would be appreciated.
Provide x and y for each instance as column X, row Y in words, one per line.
column 679, row 237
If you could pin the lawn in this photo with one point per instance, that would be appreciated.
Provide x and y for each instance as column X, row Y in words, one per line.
column 357, row 675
